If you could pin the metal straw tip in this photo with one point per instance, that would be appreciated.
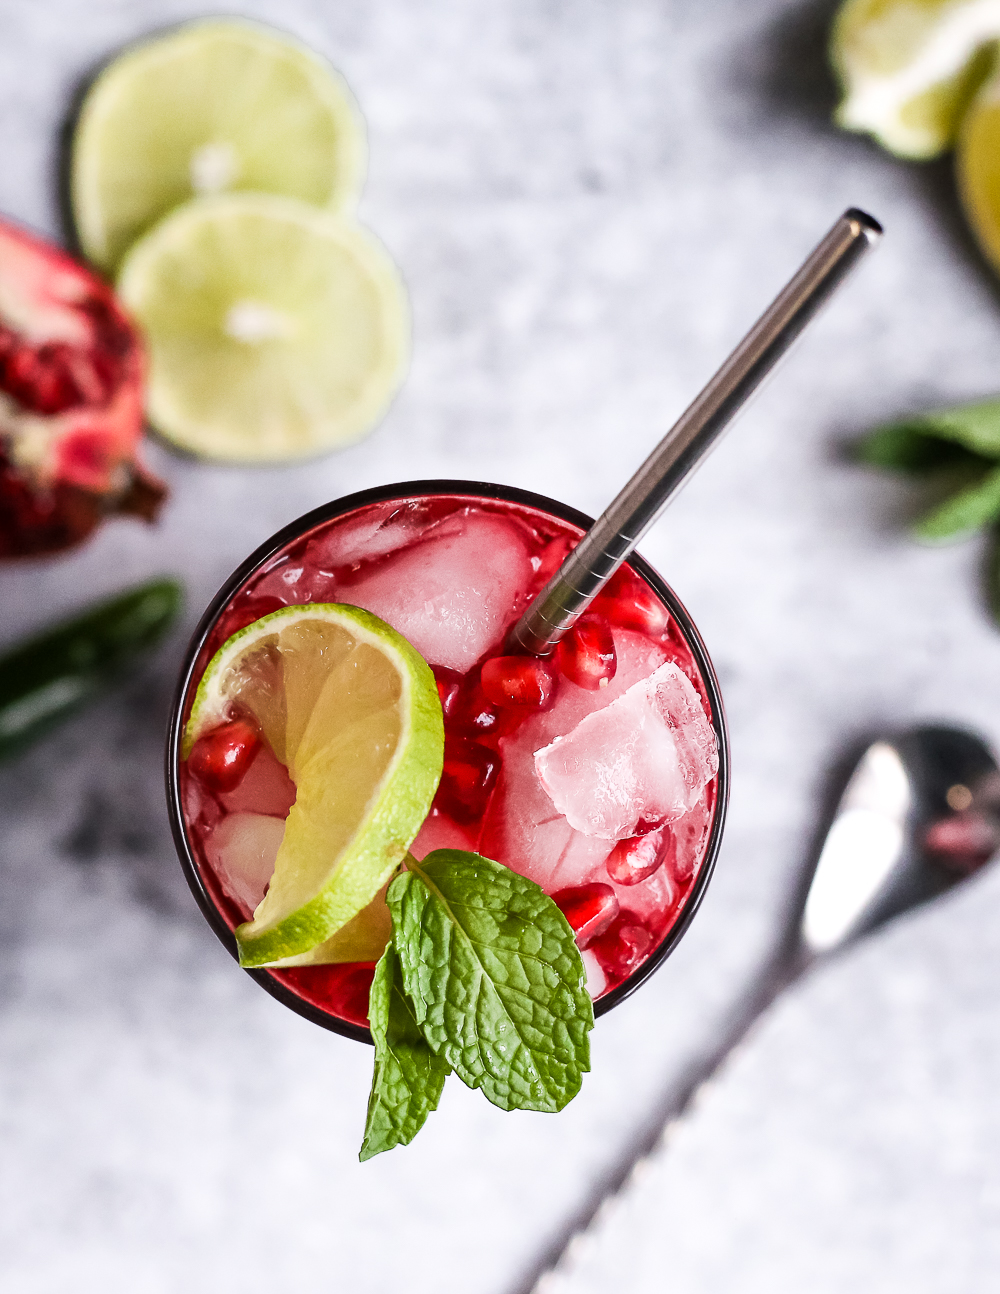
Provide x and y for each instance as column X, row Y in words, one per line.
column 864, row 224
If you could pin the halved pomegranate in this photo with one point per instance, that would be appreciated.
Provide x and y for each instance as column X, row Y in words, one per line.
column 71, row 376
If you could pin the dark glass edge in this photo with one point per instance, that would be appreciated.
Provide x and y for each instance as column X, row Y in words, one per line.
column 417, row 489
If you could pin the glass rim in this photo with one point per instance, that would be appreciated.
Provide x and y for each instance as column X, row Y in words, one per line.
column 410, row 490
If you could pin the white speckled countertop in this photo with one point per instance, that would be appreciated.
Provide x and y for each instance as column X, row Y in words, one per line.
column 590, row 202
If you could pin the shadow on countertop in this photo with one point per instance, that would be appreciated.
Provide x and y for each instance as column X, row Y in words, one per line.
column 91, row 795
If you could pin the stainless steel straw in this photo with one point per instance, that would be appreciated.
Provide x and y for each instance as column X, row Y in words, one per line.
column 615, row 534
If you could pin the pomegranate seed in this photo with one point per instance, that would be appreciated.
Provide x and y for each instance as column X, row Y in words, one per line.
column 518, row 680
column 467, row 780
column 471, row 712
column 221, row 758
column 630, row 603
column 625, row 943
column 587, row 653
column 632, row 860
column 449, row 684
column 589, row 909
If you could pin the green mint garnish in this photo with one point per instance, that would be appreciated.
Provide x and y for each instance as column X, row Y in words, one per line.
column 492, row 981
column 409, row 1077
column 496, row 978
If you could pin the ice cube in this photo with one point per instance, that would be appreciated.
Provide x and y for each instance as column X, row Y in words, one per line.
column 241, row 851
column 266, row 788
column 522, row 827
column 378, row 531
column 646, row 756
column 523, row 831
column 295, row 581
column 452, row 595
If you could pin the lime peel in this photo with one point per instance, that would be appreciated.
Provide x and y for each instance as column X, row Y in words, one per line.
column 910, row 67
column 978, row 169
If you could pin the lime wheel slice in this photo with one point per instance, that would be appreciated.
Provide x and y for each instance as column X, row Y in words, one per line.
column 214, row 106
column 275, row 330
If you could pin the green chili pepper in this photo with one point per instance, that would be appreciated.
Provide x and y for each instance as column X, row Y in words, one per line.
column 47, row 678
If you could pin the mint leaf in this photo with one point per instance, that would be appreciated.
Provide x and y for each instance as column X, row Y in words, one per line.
column 974, row 426
column 495, row 977
column 937, row 439
column 910, row 446
column 408, row 1077
column 968, row 510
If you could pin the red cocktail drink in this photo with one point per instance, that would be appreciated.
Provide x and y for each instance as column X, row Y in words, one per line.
column 600, row 772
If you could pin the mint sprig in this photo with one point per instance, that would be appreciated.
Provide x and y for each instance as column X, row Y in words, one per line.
column 492, row 985
column 959, row 449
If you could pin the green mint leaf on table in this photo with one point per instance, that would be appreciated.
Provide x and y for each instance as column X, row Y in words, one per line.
column 495, row 977
column 975, row 427
column 968, row 510
column 961, row 447
column 408, row 1077
column 908, row 447
column 928, row 440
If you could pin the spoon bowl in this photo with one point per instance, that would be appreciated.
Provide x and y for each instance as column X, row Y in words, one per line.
column 917, row 816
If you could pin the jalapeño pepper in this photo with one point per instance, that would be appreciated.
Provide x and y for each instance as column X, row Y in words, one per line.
column 48, row 677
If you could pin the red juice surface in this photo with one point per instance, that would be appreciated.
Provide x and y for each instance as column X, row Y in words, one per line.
column 533, row 750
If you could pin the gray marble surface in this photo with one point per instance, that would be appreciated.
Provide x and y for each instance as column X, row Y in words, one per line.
column 590, row 202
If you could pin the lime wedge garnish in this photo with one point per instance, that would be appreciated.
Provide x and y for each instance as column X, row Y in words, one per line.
column 275, row 330
column 353, row 712
column 910, row 67
column 213, row 106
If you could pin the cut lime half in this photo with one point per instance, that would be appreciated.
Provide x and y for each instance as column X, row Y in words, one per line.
column 353, row 712
column 216, row 105
column 909, row 68
column 275, row 330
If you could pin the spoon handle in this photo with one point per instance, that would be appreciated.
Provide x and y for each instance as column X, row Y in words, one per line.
column 556, row 1272
column 617, row 531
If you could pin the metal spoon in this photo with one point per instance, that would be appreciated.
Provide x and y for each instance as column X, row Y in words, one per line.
column 919, row 813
